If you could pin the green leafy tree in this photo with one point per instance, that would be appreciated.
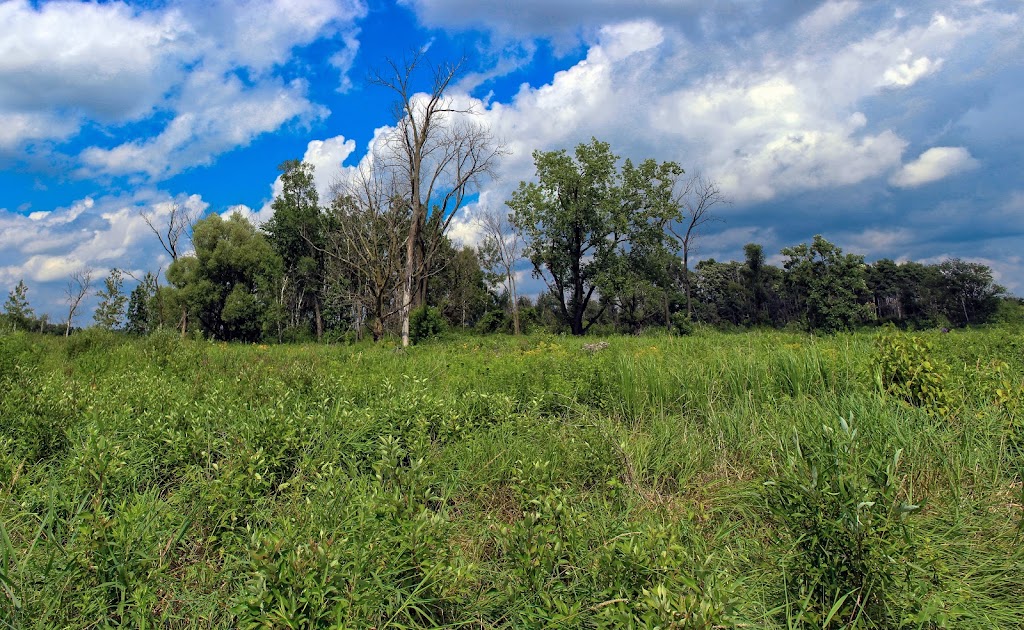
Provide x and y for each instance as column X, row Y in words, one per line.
column 970, row 294
column 760, row 280
column 828, row 286
column 171, row 224
column 921, row 290
column 142, row 312
column 227, row 286
column 296, row 234
column 583, row 215
column 639, row 288
column 905, row 293
column 16, row 308
column 461, row 292
column 109, row 312
column 884, row 280
column 722, row 297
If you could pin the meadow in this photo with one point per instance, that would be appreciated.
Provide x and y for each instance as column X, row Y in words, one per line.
column 760, row 479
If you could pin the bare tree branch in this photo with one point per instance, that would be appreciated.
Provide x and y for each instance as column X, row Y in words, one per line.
column 502, row 247
column 436, row 157
column 366, row 224
column 696, row 198
column 179, row 224
column 76, row 290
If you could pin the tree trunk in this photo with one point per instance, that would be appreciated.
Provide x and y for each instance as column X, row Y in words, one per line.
column 280, row 324
column 578, row 311
column 422, row 272
column 576, row 326
column 515, row 304
column 421, row 289
column 318, row 316
column 686, row 280
column 668, row 318
column 411, row 269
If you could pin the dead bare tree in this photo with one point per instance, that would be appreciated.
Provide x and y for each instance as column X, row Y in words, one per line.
column 502, row 246
column 76, row 290
column 438, row 155
column 365, row 232
column 696, row 198
column 178, row 225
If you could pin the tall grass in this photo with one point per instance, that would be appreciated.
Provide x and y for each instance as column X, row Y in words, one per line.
column 507, row 482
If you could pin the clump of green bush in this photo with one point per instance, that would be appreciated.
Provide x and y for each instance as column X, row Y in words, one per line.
column 838, row 501
column 904, row 368
column 682, row 324
column 425, row 322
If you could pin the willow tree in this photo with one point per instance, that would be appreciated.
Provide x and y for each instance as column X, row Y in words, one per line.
column 227, row 286
column 437, row 154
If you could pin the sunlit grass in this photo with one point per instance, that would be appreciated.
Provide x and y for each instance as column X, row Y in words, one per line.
column 496, row 482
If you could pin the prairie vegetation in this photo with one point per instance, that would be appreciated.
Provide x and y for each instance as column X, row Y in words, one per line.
column 763, row 479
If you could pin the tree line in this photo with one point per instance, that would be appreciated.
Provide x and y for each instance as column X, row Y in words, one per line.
column 611, row 241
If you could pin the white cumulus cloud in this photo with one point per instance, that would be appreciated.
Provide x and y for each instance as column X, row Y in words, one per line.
column 328, row 158
column 210, row 68
column 934, row 164
column 563, row 19
column 216, row 115
column 908, row 72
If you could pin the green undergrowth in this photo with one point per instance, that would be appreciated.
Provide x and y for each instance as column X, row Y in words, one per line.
column 713, row 480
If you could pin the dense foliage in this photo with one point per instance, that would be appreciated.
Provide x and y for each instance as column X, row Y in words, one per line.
column 589, row 226
column 769, row 479
column 228, row 286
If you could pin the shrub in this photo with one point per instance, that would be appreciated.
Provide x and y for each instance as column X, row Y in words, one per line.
column 339, row 336
column 16, row 355
column 1009, row 312
column 996, row 385
column 653, row 578
column 682, row 324
column 425, row 323
column 838, row 499
column 494, row 322
column 91, row 340
column 904, row 368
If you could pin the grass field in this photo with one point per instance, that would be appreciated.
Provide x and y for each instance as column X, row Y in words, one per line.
column 751, row 480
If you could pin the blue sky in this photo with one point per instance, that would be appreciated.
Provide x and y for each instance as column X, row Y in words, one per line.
column 894, row 129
